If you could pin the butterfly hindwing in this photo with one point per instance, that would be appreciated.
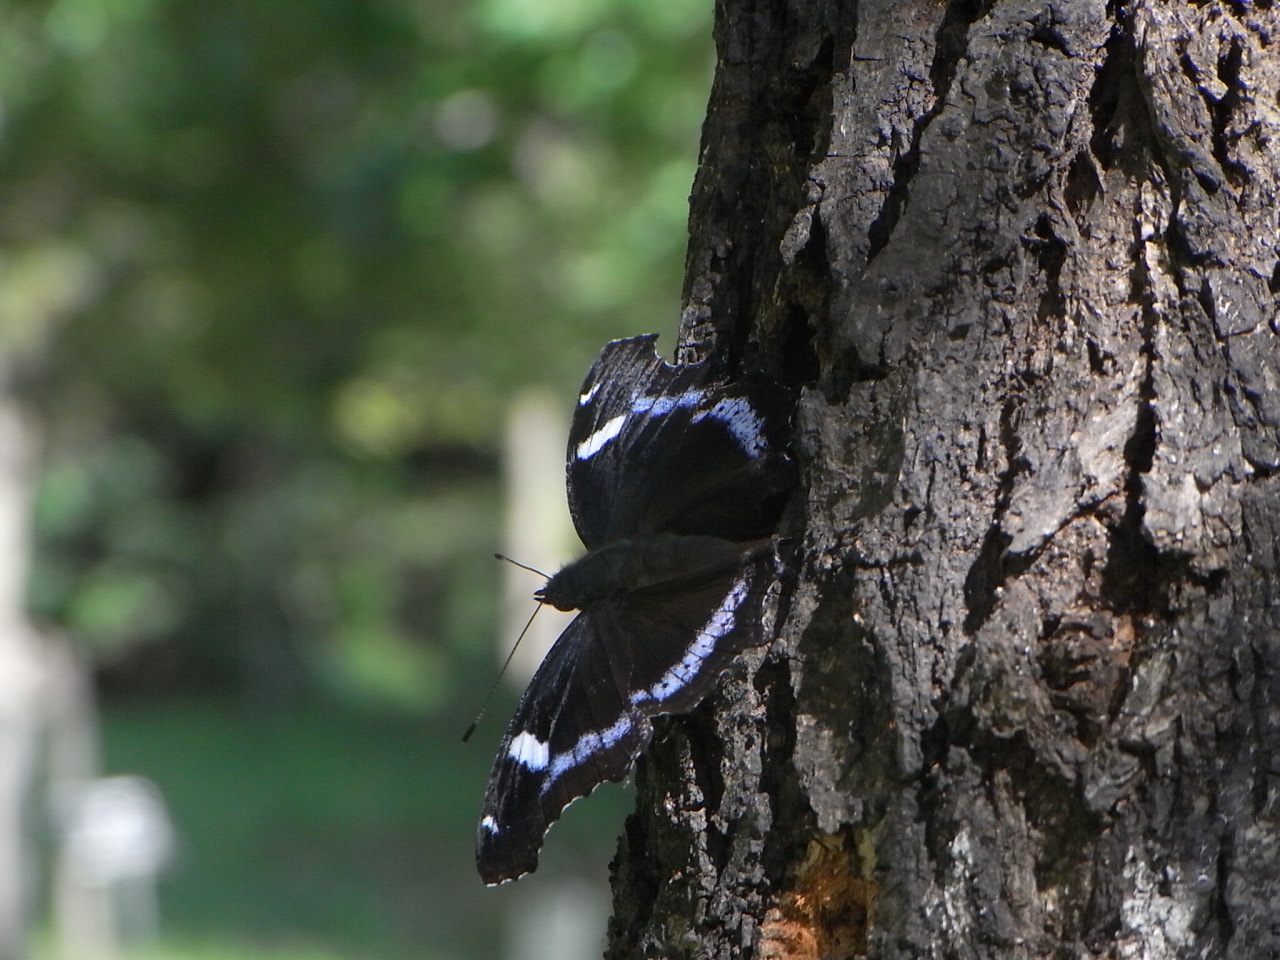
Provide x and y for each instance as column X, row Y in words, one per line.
column 586, row 713
column 679, row 642
column 544, row 762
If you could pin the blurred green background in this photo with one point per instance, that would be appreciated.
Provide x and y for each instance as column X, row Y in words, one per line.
column 270, row 274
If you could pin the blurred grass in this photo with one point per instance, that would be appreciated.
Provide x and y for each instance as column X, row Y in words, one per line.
column 313, row 832
column 222, row 951
column 324, row 831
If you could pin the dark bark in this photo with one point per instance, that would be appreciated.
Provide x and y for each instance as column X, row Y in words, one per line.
column 1025, row 700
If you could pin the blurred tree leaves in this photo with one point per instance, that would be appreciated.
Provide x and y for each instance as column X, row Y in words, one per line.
column 269, row 271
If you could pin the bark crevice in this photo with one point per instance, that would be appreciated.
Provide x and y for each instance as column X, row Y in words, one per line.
column 950, row 46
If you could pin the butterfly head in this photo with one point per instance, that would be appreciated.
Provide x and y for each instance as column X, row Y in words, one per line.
column 602, row 574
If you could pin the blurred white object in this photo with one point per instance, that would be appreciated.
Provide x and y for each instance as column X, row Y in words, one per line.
column 562, row 920
column 537, row 530
column 116, row 829
column 116, row 837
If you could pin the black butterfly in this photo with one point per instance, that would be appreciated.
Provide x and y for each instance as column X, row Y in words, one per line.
column 676, row 481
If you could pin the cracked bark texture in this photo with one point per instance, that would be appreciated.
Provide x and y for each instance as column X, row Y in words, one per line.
column 1025, row 696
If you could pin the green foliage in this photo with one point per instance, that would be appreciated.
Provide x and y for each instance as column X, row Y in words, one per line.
column 270, row 270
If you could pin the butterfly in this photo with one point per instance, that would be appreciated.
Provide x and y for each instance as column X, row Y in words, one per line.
column 676, row 480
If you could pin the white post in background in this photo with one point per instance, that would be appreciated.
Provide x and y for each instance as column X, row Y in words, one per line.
column 538, row 531
column 21, row 686
column 83, row 925
column 555, row 919
column 564, row 921
column 114, row 834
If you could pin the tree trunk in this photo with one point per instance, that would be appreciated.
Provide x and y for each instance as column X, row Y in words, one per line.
column 1025, row 697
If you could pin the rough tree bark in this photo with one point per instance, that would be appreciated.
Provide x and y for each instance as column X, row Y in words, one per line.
column 1025, row 699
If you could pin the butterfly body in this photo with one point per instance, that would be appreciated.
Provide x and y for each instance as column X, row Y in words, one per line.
column 675, row 482
column 653, row 562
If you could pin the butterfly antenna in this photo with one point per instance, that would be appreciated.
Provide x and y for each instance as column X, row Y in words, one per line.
column 484, row 704
column 522, row 566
